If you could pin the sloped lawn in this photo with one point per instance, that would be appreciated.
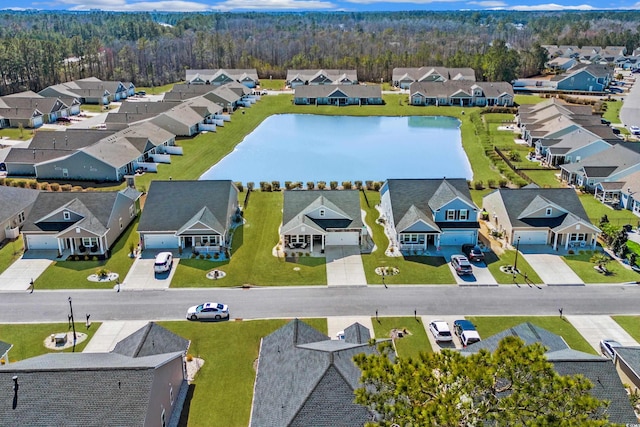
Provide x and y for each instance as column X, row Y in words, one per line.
column 411, row 344
column 583, row 267
column 10, row 253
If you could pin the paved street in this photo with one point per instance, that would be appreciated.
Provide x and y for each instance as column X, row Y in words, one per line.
column 630, row 111
column 300, row 302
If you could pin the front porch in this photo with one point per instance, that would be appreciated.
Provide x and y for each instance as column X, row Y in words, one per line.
column 83, row 245
column 203, row 244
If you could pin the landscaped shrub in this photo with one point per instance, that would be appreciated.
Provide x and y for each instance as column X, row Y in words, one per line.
column 514, row 156
column 276, row 185
column 86, row 257
column 44, row 186
column 66, row 187
column 54, row 186
column 491, row 183
column 33, row 185
column 311, row 185
column 377, row 185
column 239, row 186
column 250, row 186
column 346, row 185
column 201, row 256
column 358, row 185
column 322, row 185
column 21, row 183
column 77, row 188
column 333, row 185
column 265, row 186
column 215, row 256
column 478, row 185
column 287, row 185
column 502, row 182
column 209, row 255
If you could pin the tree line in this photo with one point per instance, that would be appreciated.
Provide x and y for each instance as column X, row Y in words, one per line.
column 41, row 48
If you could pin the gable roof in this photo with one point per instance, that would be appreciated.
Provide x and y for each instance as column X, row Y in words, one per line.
column 336, row 76
column 338, row 91
column 305, row 379
column 344, row 202
column 212, row 74
column 451, row 88
column 527, row 332
column 151, row 339
column 417, row 74
column 619, row 157
column 172, row 204
column 14, row 200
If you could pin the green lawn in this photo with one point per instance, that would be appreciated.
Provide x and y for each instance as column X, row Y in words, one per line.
column 73, row 274
column 272, row 84
column 584, row 268
column 10, row 252
column 612, row 112
column 252, row 261
column 28, row 339
column 488, row 326
column 413, row 269
column 155, row 90
column 528, row 99
column 16, row 133
column 509, row 258
column 412, row 343
column 631, row 324
column 92, row 108
column 224, row 384
column 633, row 247
column 595, row 211
column 545, row 178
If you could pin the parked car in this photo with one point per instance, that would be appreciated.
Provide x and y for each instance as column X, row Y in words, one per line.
column 163, row 262
column 63, row 119
column 635, row 130
column 461, row 265
column 608, row 347
column 440, row 330
column 615, row 90
column 466, row 331
column 605, row 121
column 473, row 252
column 208, row 310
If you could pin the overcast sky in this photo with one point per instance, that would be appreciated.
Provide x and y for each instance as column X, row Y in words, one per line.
column 314, row 5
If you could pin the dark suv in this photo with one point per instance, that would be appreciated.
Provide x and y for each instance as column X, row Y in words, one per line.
column 473, row 252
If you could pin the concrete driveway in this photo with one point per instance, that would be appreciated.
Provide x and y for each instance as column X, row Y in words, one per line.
column 344, row 266
column 336, row 324
column 438, row 346
column 481, row 274
column 141, row 275
column 552, row 269
column 596, row 328
column 19, row 274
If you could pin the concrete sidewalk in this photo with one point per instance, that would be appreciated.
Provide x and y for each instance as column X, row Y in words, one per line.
column 336, row 324
column 344, row 266
column 109, row 333
column 596, row 328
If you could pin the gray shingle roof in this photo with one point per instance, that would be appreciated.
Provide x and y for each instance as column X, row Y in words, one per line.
column 172, row 204
column 334, row 75
column 528, row 332
column 417, row 74
column 4, row 347
column 151, row 339
column 451, row 87
column 13, row 200
column 344, row 202
column 305, row 379
column 338, row 91
column 79, row 389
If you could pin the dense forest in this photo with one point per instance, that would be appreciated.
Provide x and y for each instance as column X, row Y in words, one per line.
column 38, row 49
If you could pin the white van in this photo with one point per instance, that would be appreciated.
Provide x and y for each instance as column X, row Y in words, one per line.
column 163, row 262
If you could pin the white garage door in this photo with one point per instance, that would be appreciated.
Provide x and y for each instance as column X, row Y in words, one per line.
column 42, row 242
column 161, row 241
column 342, row 239
column 530, row 237
column 457, row 237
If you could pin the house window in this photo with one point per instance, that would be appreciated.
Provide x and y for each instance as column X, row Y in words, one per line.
column 132, row 211
column 209, row 240
column 295, row 238
column 464, row 215
column 65, row 172
column 321, row 212
column 66, row 215
column 21, row 217
column 578, row 237
column 89, row 241
column 548, row 212
column 451, row 214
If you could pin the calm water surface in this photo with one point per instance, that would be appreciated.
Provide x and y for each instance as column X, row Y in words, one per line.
column 304, row 147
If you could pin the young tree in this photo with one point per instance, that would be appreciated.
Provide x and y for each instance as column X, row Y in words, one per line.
column 515, row 385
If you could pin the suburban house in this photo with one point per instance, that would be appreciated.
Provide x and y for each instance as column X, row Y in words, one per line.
column 424, row 213
column 306, row 379
column 15, row 205
column 572, row 147
column 587, row 54
column 187, row 118
column 599, row 370
column 143, row 382
column 315, row 219
column 627, row 362
column 321, row 77
column 229, row 96
column 25, row 116
column 91, row 90
column 534, row 115
column 462, row 93
column 611, row 165
column 84, row 223
column 585, row 78
column 403, row 77
column 93, row 155
column 540, row 216
column 624, row 194
column 196, row 215
column 51, row 108
column 248, row 77
column 561, row 63
column 338, row 95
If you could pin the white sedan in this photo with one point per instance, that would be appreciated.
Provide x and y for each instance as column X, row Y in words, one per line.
column 208, row 311
column 635, row 130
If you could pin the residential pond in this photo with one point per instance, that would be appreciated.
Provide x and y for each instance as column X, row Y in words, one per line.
column 306, row 147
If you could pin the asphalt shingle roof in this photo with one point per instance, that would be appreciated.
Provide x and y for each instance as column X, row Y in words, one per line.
column 344, row 202
column 13, row 200
column 151, row 339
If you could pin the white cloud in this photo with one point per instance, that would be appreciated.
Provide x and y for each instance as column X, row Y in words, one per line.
column 489, row 3
column 274, row 5
column 125, row 6
column 401, row 1
column 546, row 7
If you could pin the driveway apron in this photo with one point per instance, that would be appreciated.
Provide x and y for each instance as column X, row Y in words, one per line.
column 596, row 328
column 141, row 275
column 18, row 276
column 552, row 269
column 344, row 266
column 110, row 333
column 336, row 324
column 481, row 274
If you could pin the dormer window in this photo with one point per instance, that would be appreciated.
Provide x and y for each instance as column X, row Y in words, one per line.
column 66, row 215
column 549, row 211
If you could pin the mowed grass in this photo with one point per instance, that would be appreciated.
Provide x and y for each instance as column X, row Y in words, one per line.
column 155, row 90
column 528, row 99
column 488, row 326
column 413, row 269
column 28, row 339
column 509, row 258
column 631, row 324
column 545, row 178
column 595, row 210
column 10, row 252
column 73, row 274
column 16, row 133
column 252, row 261
column 224, row 384
column 580, row 263
column 412, row 343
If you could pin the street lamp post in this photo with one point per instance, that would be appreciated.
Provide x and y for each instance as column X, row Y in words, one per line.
column 73, row 324
column 515, row 263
